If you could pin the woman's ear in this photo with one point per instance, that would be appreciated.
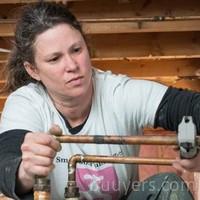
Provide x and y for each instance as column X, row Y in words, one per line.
column 32, row 70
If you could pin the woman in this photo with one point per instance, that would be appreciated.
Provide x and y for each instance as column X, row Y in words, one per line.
column 53, row 82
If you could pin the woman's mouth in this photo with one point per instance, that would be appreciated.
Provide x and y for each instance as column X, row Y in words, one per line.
column 75, row 81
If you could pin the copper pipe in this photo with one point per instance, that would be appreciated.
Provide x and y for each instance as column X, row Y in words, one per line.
column 143, row 139
column 71, row 191
column 111, row 159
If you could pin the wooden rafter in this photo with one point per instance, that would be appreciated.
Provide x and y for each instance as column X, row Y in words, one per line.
column 119, row 26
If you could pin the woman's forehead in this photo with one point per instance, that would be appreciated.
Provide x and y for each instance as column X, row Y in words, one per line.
column 58, row 33
column 53, row 39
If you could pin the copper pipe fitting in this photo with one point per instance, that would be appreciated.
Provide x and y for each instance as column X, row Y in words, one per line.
column 111, row 159
column 71, row 191
column 41, row 188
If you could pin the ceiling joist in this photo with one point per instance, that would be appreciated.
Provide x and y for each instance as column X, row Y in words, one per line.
column 119, row 26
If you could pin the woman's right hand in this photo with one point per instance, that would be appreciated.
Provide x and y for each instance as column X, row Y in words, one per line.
column 38, row 152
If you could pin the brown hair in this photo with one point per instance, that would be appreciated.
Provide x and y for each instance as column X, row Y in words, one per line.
column 34, row 20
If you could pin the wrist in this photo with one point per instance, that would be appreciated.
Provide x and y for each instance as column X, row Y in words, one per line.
column 24, row 181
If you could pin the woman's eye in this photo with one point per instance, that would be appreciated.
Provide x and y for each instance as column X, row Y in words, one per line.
column 77, row 49
column 53, row 59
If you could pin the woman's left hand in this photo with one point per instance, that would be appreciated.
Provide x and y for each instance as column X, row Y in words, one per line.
column 192, row 165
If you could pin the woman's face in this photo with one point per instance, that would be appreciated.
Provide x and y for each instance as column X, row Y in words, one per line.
column 62, row 62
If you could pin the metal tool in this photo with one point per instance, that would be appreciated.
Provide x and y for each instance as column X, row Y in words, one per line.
column 187, row 138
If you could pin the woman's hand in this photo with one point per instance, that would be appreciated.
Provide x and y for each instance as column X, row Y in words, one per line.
column 192, row 165
column 38, row 152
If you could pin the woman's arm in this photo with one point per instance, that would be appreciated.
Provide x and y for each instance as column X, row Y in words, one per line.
column 175, row 104
column 24, row 155
column 10, row 159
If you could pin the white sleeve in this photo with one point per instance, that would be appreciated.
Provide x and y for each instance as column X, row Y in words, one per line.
column 140, row 100
column 21, row 112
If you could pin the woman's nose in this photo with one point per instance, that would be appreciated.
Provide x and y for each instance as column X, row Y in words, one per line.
column 70, row 63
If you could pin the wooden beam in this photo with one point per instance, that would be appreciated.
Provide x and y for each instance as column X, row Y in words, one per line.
column 149, row 46
column 7, row 28
column 115, row 9
column 139, row 68
column 135, row 8
column 139, row 27
column 111, row 27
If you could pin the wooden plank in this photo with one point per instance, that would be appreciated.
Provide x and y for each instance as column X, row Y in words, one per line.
column 133, row 46
column 140, row 27
column 9, row 11
column 116, row 9
column 170, row 67
column 92, row 9
column 6, row 29
column 136, row 8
